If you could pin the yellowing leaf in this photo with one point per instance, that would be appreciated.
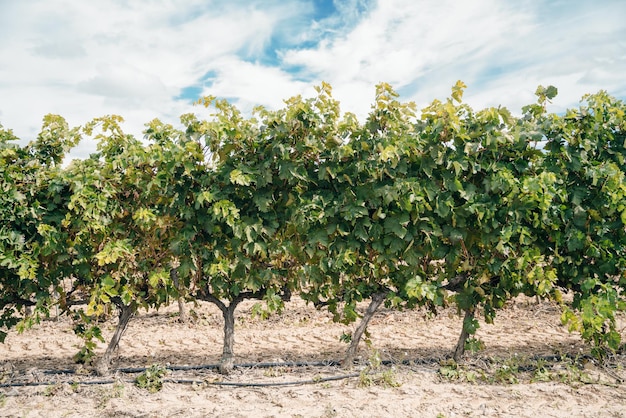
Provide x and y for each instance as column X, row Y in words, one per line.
column 238, row 177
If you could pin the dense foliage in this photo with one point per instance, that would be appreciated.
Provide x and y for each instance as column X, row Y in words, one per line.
column 454, row 206
column 34, row 195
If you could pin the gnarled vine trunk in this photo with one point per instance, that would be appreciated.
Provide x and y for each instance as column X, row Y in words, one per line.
column 460, row 345
column 125, row 313
column 182, row 309
column 377, row 300
column 228, row 313
column 228, row 352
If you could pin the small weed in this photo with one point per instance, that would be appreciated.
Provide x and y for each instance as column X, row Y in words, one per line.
column 3, row 400
column 566, row 370
column 274, row 372
column 152, row 378
column 373, row 375
column 507, row 373
column 117, row 391
column 388, row 379
column 570, row 373
column 541, row 373
column 52, row 390
column 454, row 372
column 365, row 379
column 516, row 369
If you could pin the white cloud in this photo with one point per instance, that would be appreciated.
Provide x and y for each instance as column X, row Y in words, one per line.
column 83, row 59
column 502, row 50
column 404, row 41
column 249, row 84
column 123, row 81
column 86, row 59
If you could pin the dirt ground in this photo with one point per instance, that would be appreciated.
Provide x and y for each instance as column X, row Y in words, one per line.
column 530, row 367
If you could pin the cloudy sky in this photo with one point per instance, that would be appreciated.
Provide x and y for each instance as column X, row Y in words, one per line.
column 143, row 59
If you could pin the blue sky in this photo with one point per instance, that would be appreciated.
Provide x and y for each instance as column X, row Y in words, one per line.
column 151, row 59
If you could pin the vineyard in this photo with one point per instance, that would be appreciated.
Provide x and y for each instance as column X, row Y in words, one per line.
column 449, row 210
column 283, row 367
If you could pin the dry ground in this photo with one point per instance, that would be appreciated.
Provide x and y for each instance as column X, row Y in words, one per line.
column 518, row 374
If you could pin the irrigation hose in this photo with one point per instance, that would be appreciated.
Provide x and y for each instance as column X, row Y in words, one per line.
column 267, row 384
column 192, row 382
column 131, row 370
column 327, row 363
column 51, row 383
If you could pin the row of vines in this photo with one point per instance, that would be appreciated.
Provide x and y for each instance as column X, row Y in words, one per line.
column 450, row 207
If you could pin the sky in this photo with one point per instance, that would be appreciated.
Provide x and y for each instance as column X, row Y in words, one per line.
column 146, row 59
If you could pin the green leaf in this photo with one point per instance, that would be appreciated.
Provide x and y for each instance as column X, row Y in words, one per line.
column 551, row 92
column 470, row 325
column 108, row 282
column 238, row 177
column 154, row 279
column 360, row 233
column 396, row 227
column 457, row 91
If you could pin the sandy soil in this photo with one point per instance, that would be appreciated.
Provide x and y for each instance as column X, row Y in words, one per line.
column 502, row 380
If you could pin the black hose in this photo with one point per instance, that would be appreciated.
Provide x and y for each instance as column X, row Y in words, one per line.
column 191, row 382
column 269, row 384
column 48, row 383
column 62, row 371
column 326, row 363
column 130, row 370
